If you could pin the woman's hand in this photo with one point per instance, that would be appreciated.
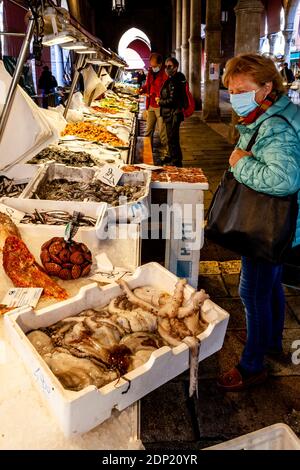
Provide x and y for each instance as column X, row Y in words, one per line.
column 236, row 155
column 157, row 99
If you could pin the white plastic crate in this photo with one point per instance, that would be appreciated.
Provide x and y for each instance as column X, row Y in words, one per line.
column 122, row 248
column 97, row 210
column 21, row 173
column 123, row 212
column 78, row 412
column 276, row 437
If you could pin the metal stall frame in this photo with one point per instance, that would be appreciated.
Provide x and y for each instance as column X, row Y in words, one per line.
column 17, row 73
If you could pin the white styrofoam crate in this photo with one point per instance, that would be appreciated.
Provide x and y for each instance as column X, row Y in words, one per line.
column 276, row 437
column 23, row 173
column 123, row 212
column 122, row 248
column 78, row 412
column 21, row 403
column 96, row 210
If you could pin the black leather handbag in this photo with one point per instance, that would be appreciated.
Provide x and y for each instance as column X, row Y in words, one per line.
column 249, row 222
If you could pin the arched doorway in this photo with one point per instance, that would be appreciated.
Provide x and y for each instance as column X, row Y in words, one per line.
column 135, row 48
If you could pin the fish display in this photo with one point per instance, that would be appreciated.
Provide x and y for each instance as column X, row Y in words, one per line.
column 20, row 266
column 10, row 188
column 7, row 228
column 99, row 345
column 93, row 132
column 67, row 157
column 41, row 217
column 63, row 190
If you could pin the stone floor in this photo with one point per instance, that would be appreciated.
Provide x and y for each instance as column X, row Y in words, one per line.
column 191, row 423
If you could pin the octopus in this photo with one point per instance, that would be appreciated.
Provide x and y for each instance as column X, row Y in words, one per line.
column 96, row 347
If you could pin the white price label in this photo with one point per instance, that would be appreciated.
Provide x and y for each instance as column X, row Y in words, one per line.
column 15, row 215
column 109, row 174
column 20, row 296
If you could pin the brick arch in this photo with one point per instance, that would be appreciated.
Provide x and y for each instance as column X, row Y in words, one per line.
column 134, row 39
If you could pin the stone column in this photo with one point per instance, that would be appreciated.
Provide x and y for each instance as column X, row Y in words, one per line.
column 261, row 42
column 248, row 20
column 211, row 109
column 247, row 37
column 288, row 35
column 173, row 28
column 185, row 37
column 178, row 29
column 272, row 39
column 195, row 52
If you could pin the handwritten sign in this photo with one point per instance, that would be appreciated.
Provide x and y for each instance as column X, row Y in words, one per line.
column 109, row 174
column 108, row 278
column 15, row 215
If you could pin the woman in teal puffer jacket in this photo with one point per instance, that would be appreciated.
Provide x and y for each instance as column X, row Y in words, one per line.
column 272, row 167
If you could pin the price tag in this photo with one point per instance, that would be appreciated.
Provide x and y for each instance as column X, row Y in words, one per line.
column 15, row 215
column 72, row 227
column 109, row 174
column 20, row 296
column 108, row 278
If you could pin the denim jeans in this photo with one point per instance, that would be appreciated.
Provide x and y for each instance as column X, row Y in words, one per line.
column 263, row 298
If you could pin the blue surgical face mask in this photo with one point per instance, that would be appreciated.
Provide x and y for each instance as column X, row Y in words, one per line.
column 244, row 103
column 156, row 69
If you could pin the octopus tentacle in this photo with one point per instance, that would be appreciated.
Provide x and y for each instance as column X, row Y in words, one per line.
column 135, row 300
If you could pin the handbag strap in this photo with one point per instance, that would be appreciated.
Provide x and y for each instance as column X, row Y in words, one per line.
column 253, row 137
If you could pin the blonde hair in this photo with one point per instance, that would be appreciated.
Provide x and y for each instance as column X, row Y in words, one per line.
column 261, row 69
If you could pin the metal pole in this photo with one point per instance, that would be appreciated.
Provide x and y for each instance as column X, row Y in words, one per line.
column 79, row 64
column 3, row 33
column 16, row 76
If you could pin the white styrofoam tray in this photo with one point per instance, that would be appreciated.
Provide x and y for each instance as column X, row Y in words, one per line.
column 78, row 412
column 122, row 248
column 123, row 212
column 97, row 210
column 275, row 437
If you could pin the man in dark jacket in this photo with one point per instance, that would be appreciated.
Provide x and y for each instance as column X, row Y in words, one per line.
column 47, row 83
column 287, row 74
column 172, row 101
column 154, row 82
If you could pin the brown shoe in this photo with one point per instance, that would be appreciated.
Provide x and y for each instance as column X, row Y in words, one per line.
column 233, row 381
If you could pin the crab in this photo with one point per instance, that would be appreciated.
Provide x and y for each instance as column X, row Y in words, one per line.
column 66, row 260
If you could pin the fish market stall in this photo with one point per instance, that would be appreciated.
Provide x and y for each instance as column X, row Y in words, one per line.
column 120, row 341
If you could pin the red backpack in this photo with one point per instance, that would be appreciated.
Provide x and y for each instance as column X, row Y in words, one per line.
column 189, row 106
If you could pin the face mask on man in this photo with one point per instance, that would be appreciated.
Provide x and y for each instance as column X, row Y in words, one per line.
column 170, row 69
column 156, row 69
column 244, row 103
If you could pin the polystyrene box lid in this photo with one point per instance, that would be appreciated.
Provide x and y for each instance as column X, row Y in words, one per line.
column 27, row 131
column 276, row 437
